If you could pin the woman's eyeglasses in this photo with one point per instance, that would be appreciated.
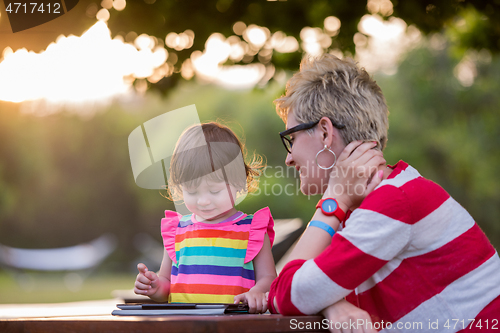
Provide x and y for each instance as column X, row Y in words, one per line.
column 288, row 143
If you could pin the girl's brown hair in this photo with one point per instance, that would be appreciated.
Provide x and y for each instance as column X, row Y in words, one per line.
column 212, row 150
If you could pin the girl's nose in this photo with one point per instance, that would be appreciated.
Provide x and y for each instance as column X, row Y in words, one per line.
column 203, row 201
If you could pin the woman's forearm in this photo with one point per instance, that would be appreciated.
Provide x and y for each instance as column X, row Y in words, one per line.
column 280, row 293
column 314, row 240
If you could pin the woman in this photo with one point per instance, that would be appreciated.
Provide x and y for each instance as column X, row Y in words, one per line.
column 408, row 257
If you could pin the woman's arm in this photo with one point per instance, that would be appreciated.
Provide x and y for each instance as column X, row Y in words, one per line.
column 325, row 281
column 265, row 273
column 345, row 317
column 349, row 185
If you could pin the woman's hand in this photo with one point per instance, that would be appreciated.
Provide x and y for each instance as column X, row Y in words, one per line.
column 147, row 282
column 356, row 174
column 344, row 317
column 256, row 300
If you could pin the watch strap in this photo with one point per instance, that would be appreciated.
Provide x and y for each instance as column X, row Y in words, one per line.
column 322, row 225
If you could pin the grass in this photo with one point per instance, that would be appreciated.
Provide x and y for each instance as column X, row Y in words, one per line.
column 55, row 288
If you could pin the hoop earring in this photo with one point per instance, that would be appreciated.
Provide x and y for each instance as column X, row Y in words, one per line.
column 319, row 152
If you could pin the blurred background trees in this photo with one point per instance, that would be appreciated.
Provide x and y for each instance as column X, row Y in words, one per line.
column 273, row 33
column 480, row 30
column 65, row 177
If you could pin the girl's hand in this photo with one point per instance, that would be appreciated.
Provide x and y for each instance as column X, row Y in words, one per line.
column 345, row 314
column 356, row 174
column 257, row 301
column 147, row 282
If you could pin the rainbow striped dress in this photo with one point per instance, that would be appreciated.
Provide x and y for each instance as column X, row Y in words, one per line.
column 212, row 263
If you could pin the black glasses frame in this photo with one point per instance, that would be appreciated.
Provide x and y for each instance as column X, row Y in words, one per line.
column 301, row 127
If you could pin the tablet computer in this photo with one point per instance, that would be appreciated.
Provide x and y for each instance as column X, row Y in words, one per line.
column 151, row 309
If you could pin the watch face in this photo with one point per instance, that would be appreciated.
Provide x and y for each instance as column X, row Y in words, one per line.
column 329, row 205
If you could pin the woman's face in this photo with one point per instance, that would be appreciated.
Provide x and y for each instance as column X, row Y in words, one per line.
column 313, row 180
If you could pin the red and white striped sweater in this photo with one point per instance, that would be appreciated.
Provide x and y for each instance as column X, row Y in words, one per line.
column 409, row 253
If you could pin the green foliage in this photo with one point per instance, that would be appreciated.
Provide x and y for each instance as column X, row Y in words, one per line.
column 478, row 21
column 206, row 17
column 450, row 133
column 471, row 29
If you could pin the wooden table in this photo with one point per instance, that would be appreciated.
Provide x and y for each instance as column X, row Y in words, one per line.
column 82, row 320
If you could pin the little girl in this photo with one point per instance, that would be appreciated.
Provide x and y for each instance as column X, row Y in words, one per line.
column 217, row 254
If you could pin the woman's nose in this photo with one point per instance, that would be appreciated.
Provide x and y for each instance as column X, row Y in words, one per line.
column 289, row 159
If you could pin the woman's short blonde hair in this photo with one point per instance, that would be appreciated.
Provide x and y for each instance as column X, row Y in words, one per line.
column 340, row 90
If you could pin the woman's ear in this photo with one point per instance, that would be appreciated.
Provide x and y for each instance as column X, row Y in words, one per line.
column 327, row 131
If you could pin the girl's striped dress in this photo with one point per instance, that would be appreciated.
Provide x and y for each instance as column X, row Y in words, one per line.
column 211, row 263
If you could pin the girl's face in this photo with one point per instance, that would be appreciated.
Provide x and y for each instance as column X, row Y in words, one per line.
column 211, row 201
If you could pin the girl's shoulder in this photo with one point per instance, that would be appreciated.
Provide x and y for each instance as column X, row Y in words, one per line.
column 262, row 223
column 173, row 219
column 169, row 225
column 171, row 222
column 260, row 219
